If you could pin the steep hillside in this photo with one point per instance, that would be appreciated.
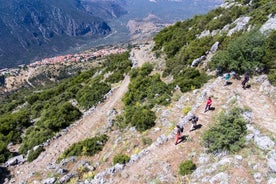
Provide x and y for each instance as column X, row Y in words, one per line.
column 159, row 161
column 116, row 123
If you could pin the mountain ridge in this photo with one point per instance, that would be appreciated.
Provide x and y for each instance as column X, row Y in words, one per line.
column 35, row 27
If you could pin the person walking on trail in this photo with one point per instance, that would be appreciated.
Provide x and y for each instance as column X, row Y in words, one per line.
column 194, row 120
column 178, row 134
column 245, row 80
column 208, row 104
column 227, row 77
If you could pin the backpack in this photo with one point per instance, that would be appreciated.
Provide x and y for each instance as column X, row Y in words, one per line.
column 194, row 119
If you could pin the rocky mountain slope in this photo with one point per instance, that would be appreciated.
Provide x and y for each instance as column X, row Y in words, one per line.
column 159, row 161
column 154, row 158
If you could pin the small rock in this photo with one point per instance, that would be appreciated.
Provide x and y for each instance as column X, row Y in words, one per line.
column 161, row 139
column 48, row 181
column 271, row 159
column 238, row 157
column 249, row 137
column 252, row 129
column 258, row 177
column 271, row 181
column 203, row 159
column 221, row 178
column 66, row 178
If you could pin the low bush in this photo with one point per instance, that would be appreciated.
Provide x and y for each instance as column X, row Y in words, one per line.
column 140, row 117
column 88, row 147
column 186, row 110
column 186, row 167
column 33, row 154
column 121, row 159
column 146, row 140
column 189, row 79
column 92, row 93
column 228, row 132
column 246, row 53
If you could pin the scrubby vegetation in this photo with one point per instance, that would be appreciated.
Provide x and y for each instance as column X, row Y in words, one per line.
column 227, row 134
column 121, row 159
column 186, row 167
column 31, row 116
column 33, row 154
column 241, row 52
column 144, row 92
column 88, row 147
column 247, row 52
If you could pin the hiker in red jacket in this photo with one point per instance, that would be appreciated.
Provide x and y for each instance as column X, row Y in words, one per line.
column 208, row 104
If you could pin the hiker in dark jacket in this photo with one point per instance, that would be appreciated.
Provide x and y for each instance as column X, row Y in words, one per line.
column 245, row 80
column 194, row 120
column 178, row 134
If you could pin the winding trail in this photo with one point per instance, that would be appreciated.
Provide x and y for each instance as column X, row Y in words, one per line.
column 163, row 161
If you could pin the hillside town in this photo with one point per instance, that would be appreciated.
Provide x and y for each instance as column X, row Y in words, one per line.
column 69, row 58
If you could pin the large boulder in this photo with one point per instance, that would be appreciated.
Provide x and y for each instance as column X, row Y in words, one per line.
column 198, row 60
column 15, row 161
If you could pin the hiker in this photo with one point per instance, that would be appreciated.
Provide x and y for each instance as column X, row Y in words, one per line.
column 227, row 77
column 234, row 75
column 245, row 80
column 208, row 104
column 178, row 134
column 194, row 120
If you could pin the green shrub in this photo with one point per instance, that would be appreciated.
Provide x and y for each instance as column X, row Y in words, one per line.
column 118, row 62
column 245, row 53
column 34, row 154
column 115, row 77
column 121, row 159
column 146, row 140
column 58, row 117
column 92, row 94
column 88, row 147
column 140, row 117
column 186, row 110
column 33, row 137
column 4, row 152
column 189, row 79
column 186, row 167
column 147, row 90
column 272, row 77
column 146, row 69
column 227, row 134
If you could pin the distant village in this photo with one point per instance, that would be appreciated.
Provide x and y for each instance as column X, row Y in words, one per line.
column 69, row 58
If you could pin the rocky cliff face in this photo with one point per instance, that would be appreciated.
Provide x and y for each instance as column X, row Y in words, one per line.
column 38, row 28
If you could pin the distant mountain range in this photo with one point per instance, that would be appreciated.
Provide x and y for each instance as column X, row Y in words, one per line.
column 34, row 29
